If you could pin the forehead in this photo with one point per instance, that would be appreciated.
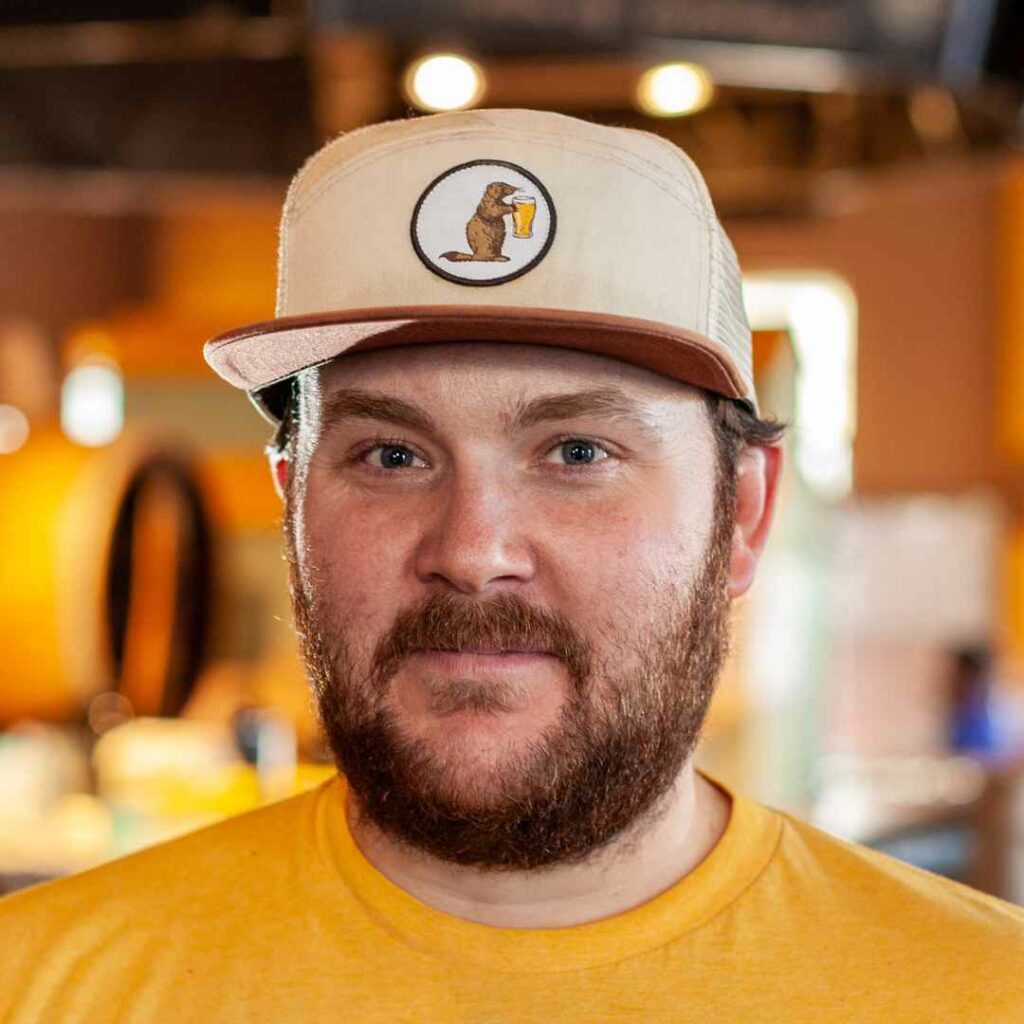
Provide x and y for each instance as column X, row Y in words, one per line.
column 491, row 379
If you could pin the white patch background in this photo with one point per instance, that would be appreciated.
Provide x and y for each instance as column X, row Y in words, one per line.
column 441, row 224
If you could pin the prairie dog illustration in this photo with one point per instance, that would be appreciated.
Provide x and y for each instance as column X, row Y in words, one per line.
column 485, row 230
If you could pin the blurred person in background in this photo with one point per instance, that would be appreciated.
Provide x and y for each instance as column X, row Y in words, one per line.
column 524, row 475
column 973, row 728
column 986, row 720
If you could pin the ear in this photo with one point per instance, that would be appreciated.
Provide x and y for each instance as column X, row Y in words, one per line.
column 280, row 467
column 758, row 475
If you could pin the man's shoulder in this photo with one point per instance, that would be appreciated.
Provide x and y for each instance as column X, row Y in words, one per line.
column 177, row 922
column 171, row 875
column 875, row 891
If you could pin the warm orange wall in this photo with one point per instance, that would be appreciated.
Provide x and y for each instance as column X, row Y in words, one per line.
column 1011, row 313
column 210, row 269
column 1011, row 390
column 160, row 263
column 919, row 249
column 219, row 261
column 62, row 265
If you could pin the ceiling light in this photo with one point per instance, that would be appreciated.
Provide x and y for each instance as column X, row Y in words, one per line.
column 444, row 81
column 672, row 90
column 92, row 403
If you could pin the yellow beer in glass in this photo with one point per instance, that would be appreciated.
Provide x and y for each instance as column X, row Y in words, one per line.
column 524, row 209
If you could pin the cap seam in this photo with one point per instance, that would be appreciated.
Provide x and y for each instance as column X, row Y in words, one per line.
column 612, row 153
column 706, row 282
column 688, row 178
column 692, row 172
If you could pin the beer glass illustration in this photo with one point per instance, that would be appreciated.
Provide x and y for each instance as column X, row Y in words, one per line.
column 524, row 209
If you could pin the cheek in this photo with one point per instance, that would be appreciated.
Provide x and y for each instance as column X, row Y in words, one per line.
column 605, row 561
column 615, row 562
column 359, row 556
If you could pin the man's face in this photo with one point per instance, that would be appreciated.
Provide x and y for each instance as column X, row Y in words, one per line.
column 509, row 570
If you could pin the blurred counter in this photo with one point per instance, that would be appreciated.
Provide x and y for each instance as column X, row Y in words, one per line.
column 67, row 804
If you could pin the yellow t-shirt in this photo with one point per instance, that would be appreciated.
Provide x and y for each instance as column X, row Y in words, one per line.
column 276, row 916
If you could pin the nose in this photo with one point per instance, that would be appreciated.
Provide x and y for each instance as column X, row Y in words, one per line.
column 473, row 539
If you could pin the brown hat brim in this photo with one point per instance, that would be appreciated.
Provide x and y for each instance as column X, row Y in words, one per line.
column 261, row 356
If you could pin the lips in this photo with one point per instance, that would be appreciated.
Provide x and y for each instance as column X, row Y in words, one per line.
column 480, row 649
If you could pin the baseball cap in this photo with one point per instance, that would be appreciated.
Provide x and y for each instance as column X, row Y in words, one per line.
column 499, row 225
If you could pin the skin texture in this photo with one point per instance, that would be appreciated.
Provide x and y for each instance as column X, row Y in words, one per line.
column 592, row 541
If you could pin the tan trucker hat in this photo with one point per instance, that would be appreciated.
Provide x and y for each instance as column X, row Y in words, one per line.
column 499, row 225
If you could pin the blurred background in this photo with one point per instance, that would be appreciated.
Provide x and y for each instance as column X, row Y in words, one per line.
column 866, row 159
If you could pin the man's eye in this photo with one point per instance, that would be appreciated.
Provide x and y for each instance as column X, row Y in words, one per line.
column 390, row 456
column 579, row 452
column 572, row 452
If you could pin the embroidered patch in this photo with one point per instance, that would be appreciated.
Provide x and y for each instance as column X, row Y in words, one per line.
column 483, row 222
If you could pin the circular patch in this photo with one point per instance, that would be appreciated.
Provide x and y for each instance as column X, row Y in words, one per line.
column 483, row 222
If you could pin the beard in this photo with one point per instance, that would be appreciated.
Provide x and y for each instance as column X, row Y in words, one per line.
column 599, row 771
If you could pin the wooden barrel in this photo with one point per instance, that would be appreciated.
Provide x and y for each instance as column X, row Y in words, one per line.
column 105, row 577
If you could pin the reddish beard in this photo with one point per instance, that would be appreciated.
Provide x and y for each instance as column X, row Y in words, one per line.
column 602, row 769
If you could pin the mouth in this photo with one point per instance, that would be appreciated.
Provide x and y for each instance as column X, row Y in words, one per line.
column 480, row 649
column 480, row 678
column 481, row 659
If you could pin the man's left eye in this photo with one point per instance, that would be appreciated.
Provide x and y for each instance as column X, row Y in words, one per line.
column 392, row 456
column 580, row 452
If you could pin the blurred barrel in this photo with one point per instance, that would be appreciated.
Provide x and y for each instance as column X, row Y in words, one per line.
column 105, row 577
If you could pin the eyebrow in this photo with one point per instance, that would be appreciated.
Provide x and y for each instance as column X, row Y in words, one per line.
column 604, row 402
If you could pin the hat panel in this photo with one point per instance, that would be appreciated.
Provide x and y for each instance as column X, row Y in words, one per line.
column 627, row 256
column 628, row 241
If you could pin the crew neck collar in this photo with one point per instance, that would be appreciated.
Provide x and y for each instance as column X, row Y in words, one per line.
column 734, row 863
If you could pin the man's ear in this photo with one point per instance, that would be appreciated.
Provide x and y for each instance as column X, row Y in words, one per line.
column 758, row 475
column 280, row 467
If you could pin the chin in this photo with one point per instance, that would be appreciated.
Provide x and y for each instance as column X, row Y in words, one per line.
column 482, row 742
column 471, row 789
column 473, row 781
column 476, row 759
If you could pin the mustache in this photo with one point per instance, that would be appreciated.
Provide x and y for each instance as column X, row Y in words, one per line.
column 506, row 622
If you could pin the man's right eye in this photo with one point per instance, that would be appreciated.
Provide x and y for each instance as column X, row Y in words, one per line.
column 386, row 457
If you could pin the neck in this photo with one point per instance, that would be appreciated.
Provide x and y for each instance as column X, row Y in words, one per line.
column 631, row 870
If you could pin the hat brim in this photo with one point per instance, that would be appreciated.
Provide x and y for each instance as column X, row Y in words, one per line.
column 261, row 356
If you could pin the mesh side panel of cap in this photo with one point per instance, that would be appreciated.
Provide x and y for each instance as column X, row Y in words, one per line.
column 727, row 317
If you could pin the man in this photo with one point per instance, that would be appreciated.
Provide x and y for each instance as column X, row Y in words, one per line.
column 524, row 476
